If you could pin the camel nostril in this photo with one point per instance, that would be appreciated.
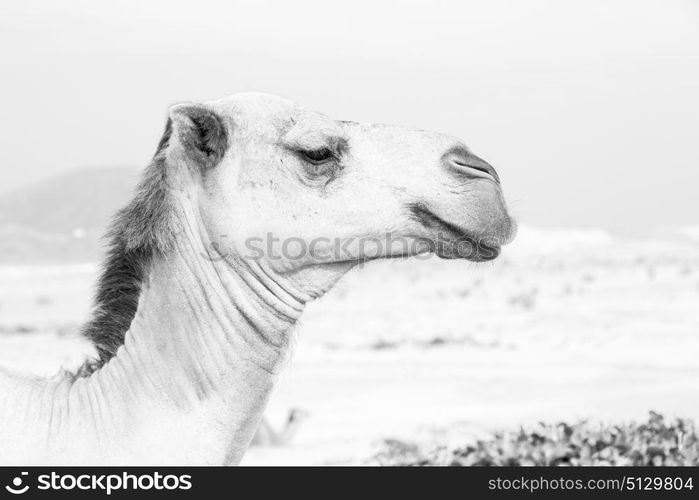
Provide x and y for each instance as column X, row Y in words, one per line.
column 465, row 163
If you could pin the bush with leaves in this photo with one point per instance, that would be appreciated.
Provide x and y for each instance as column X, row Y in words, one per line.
column 655, row 442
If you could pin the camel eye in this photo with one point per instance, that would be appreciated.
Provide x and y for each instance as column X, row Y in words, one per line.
column 318, row 155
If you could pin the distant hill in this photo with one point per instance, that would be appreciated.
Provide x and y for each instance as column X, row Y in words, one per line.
column 62, row 218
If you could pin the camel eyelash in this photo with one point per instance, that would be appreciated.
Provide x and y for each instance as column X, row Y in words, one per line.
column 332, row 150
column 319, row 165
column 318, row 155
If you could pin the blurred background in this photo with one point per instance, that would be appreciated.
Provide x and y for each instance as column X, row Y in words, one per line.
column 589, row 111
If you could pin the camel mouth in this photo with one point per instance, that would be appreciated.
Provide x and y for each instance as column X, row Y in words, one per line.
column 469, row 249
column 454, row 242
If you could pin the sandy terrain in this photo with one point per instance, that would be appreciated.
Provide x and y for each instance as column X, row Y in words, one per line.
column 566, row 324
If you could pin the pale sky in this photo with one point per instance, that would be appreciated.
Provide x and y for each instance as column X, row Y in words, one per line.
column 588, row 109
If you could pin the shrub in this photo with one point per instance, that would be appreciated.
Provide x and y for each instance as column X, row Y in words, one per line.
column 654, row 442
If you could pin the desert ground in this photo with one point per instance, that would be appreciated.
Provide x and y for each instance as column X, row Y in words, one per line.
column 566, row 324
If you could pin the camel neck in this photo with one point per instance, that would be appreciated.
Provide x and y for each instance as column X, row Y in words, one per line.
column 198, row 313
column 202, row 355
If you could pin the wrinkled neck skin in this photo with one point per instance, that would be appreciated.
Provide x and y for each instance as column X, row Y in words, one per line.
column 189, row 385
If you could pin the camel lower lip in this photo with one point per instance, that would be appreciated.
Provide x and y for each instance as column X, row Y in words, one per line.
column 467, row 249
column 459, row 243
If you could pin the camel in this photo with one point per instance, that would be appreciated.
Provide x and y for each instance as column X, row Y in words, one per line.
column 266, row 435
column 251, row 208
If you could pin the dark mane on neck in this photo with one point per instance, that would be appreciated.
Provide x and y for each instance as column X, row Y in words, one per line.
column 139, row 232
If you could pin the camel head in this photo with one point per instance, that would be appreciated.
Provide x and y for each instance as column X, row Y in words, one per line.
column 310, row 196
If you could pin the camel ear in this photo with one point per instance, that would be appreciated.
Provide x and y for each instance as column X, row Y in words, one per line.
column 201, row 132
